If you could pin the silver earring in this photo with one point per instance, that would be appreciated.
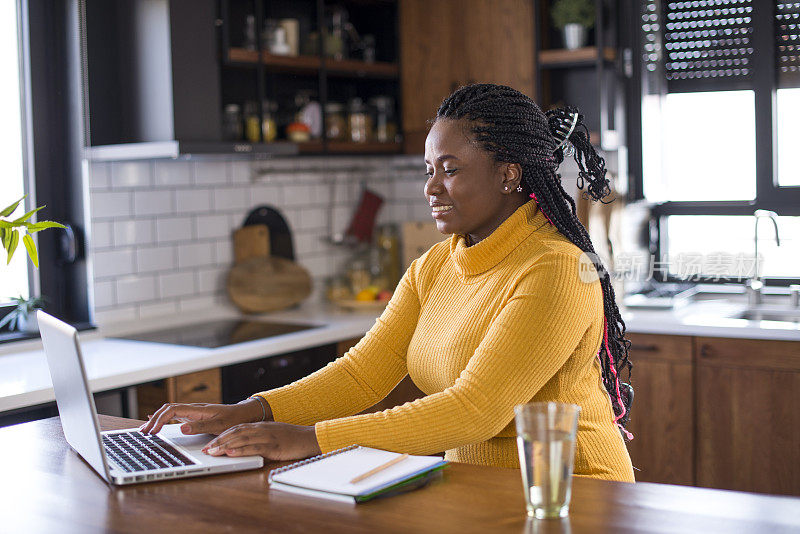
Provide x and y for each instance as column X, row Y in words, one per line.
column 519, row 189
column 505, row 188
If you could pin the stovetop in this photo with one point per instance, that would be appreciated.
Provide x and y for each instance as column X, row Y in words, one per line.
column 221, row 333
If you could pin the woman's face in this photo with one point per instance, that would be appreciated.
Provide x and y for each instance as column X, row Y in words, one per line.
column 466, row 189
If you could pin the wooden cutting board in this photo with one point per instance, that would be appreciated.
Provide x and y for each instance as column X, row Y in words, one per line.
column 265, row 284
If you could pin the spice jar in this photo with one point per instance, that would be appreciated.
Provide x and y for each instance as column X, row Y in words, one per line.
column 252, row 123
column 385, row 123
column 232, row 122
column 269, row 128
column 335, row 125
column 359, row 121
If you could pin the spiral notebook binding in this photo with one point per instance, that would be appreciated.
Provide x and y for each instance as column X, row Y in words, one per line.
column 308, row 461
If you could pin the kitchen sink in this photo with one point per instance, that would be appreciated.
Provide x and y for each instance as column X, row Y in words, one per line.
column 787, row 316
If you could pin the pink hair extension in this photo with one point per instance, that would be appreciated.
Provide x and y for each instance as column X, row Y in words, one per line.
column 533, row 196
column 616, row 380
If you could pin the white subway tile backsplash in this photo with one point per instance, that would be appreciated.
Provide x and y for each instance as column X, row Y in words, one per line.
column 106, row 204
column 297, row 195
column 197, row 303
column 133, row 232
column 158, row 202
column 211, row 173
column 102, row 235
column 116, row 262
column 159, row 309
column 210, row 226
column 193, row 200
column 115, row 315
column 212, row 280
column 177, row 284
column 104, row 294
column 170, row 229
column 161, row 230
column 196, row 254
column 240, row 172
column 230, row 198
column 131, row 174
column 99, row 175
column 224, row 252
column 132, row 289
column 149, row 259
column 266, row 194
column 173, row 173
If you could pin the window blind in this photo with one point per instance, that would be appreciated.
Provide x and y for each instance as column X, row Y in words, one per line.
column 708, row 39
column 787, row 43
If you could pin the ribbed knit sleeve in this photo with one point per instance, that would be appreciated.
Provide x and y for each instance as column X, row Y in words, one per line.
column 536, row 330
column 363, row 376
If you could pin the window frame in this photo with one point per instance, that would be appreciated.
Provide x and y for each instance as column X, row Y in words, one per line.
column 54, row 123
column 784, row 200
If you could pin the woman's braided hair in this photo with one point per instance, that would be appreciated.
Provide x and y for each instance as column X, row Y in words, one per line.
column 514, row 129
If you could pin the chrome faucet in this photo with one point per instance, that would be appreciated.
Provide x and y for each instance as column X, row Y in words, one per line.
column 754, row 286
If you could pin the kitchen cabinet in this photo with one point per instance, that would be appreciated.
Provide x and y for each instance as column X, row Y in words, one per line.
column 201, row 386
column 590, row 77
column 748, row 415
column 450, row 43
column 662, row 418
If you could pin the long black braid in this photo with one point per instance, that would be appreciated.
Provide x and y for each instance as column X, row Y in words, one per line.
column 514, row 129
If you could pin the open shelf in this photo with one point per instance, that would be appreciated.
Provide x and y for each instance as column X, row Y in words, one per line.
column 347, row 147
column 561, row 57
column 312, row 64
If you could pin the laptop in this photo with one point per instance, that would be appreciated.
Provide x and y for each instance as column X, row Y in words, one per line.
column 121, row 456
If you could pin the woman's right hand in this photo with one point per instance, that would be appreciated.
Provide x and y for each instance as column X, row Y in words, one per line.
column 200, row 418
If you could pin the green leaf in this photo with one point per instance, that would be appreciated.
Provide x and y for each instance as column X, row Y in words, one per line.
column 27, row 215
column 41, row 225
column 5, row 224
column 9, row 210
column 12, row 246
column 7, row 319
column 31, row 247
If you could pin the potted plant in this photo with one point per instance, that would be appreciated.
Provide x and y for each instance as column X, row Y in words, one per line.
column 23, row 317
column 10, row 230
column 573, row 18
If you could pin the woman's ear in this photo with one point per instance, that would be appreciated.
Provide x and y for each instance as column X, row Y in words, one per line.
column 511, row 175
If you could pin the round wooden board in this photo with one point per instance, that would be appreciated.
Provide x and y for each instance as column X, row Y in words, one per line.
column 267, row 284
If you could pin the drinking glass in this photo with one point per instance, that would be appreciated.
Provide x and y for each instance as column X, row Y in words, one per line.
column 546, row 443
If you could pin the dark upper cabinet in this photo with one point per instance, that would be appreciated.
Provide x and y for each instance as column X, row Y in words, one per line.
column 153, row 81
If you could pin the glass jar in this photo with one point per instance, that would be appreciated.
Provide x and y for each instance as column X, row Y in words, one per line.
column 335, row 125
column 252, row 123
column 358, row 121
column 269, row 127
column 385, row 123
column 232, row 122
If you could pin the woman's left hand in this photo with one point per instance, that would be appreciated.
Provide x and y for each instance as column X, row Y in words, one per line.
column 273, row 441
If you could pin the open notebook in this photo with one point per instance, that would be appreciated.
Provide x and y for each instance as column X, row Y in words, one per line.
column 328, row 476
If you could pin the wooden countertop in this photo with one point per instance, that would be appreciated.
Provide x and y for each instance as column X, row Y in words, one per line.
column 48, row 488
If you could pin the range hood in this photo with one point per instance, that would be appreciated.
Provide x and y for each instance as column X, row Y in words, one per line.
column 153, row 82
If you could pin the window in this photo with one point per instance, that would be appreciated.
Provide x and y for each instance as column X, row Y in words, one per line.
column 719, row 92
column 14, row 278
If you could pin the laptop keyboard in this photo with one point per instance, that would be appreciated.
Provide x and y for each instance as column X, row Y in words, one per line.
column 134, row 451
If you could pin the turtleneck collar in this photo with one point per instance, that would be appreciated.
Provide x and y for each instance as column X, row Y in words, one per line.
column 482, row 256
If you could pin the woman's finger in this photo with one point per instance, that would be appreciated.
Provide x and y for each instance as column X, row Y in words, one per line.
column 166, row 413
column 260, row 449
column 235, row 436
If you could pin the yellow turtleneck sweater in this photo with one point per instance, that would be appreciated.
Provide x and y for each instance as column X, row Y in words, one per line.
column 479, row 329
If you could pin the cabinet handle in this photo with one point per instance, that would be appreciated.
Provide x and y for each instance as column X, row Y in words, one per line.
column 199, row 387
column 645, row 348
column 705, row 351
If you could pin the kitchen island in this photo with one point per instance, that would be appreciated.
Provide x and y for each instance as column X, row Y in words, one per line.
column 53, row 489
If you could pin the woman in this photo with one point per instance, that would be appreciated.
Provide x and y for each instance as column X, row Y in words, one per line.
column 498, row 315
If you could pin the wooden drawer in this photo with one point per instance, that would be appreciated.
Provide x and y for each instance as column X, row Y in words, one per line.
column 202, row 386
